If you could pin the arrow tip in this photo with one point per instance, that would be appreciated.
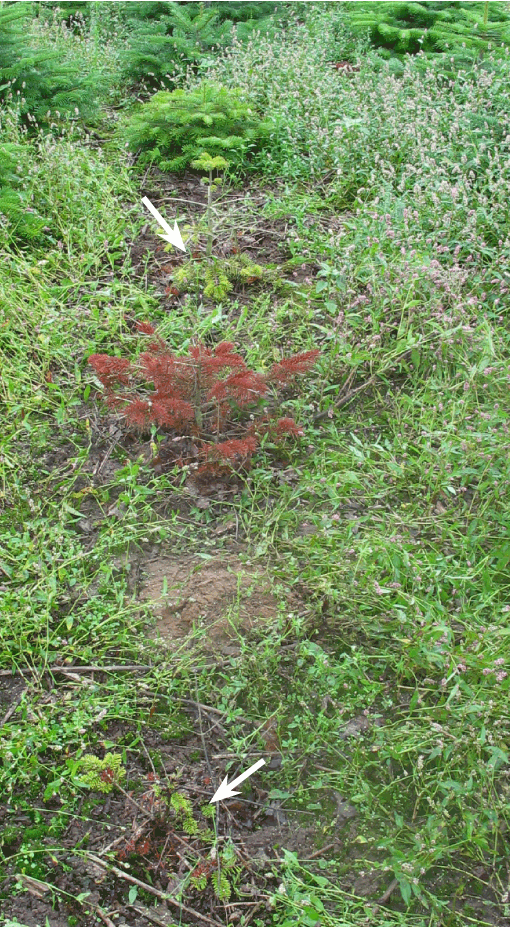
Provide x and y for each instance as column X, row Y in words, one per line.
column 174, row 239
column 172, row 236
column 223, row 792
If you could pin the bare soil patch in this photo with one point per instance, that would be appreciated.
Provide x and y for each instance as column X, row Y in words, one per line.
column 222, row 595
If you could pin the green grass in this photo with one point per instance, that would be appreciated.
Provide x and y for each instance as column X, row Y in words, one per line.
column 392, row 522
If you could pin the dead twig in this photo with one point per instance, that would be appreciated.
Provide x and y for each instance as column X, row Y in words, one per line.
column 345, row 398
column 39, row 889
column 104, row 917
column 99, row 466
column 190, row 849
column 330, row 846
column 115, row 668
column 207, row 708
column 10, row 711
column 149, row 915
column 387, row 894
column 252, row 914
column 113, row 844
column 152, row 891
column 180, row 199
column 147, row 814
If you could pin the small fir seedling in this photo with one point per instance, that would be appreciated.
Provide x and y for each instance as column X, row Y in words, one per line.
column 222, row 868
column 219, row 276
column 217, row 284
column 184, row 813
column 102, row 775
column 207, row 163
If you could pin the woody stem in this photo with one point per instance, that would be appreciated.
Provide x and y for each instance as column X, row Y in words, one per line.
column 209, row 217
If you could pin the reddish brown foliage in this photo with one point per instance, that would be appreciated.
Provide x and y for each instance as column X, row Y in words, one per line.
column 110, row 370
column 145, row 328
column 139, row 414
column 172, row 413
column 237, row 450
column 291, row 367
column 287, row 426
column 346, row 66
column 198, row 394
column 242, row 388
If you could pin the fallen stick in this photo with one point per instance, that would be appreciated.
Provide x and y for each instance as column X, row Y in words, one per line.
column 147, row 913
column 99, row 911
column 388, row 893
column 330, row 846
column 344, row 399
column 77, row 669
column 38, row 888
column 152, row 891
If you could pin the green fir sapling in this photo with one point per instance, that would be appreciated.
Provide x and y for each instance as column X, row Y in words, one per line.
column 172, row 129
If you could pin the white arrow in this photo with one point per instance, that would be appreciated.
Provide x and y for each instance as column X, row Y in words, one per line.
column 173, row 236
column 226, row 791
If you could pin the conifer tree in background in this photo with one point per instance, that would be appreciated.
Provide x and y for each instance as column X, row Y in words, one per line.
column 140, row 10
column 175, row 35
column 70, row 13
column 19, row 221
column 462, row 31
column 247, row 17
column 162, row 34
column 40, row 81
column 242, row 11
column 193, row 32
column 149, row 57
column 17, row 60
